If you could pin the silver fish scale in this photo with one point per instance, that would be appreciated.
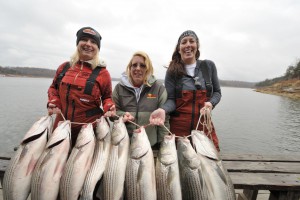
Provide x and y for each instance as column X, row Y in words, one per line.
column 131, row 185
column 48, row 170
column 99, row 162
column 95, row 171
column 111, row 183
column 230, row 188
column 112, row 186
column 9, row 173
column 140, row 170
column 167, row 171
column 191, row 184
column 17, row 178
column 64, row 190
column 218, row 184
column 140, row 182
column 190, row 171
column 36, row 179
column 163, row 175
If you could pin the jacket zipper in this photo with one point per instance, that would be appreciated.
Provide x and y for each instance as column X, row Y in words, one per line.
column 78, row 72
column 193, row 110
column 73, row 110
column 67, row 100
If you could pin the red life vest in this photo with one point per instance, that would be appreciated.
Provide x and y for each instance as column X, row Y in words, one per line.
column 80, row 96
column 188, row 112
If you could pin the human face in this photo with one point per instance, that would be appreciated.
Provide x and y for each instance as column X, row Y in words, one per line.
column 87, row 48
column 138, row 70
column 188, row 49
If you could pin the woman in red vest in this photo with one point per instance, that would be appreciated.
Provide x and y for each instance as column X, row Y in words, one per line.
column 193, row 88
column 82, row 89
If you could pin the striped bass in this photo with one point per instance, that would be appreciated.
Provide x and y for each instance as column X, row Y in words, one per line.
column 140, row 170
column 78, row 164
column 48, row 170
column 17, row 177
column 218, row 183
column 101, row 152
column 114, row 175
column 167, row 171
column 192, row 182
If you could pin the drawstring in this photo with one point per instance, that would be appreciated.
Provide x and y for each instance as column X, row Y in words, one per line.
column 207, row 123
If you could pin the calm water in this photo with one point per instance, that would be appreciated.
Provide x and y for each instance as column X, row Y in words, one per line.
column 246, row 121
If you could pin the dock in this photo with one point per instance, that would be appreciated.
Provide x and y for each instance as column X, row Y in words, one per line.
column 255, row 177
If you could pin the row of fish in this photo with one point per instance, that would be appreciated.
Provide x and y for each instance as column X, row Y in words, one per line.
column 111, row 166
column 44, row 166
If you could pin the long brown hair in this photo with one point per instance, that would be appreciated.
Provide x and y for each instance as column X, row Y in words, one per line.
column 176, row 66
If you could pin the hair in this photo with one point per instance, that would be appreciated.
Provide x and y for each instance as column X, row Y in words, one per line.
column 94, row 62
column 149, row 67
column 176, row 66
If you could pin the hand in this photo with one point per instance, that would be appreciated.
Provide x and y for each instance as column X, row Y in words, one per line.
column 206, row 108
column 157, row 117
column 127, row 117
column 111, row 112
column 53, row 109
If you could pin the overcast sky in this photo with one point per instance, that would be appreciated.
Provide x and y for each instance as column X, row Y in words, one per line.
column 249, row 40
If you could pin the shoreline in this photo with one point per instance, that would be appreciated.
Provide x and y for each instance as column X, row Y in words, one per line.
column 295, row 96
column 287, row 88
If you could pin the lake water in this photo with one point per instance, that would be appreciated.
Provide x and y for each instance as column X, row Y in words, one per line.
column 245, row 121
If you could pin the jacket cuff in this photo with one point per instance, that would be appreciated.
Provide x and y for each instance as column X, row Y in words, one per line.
column 107, row 106
column 55, row 102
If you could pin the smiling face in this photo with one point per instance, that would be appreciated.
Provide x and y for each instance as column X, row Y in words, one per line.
column 87, row 48
column 187, row 49
column 138, row 70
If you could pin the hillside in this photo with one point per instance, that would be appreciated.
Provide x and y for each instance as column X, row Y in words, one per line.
column 287, row 88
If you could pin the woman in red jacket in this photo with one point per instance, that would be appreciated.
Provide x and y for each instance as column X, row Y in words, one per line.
column 81, row 90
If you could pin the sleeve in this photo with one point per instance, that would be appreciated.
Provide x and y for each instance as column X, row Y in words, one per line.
column 170, row 84
column 53, row 93
column 216, row 94
column 106, row 90
column 162, row 131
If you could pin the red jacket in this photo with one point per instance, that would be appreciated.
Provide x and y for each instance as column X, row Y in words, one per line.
column 71, row 99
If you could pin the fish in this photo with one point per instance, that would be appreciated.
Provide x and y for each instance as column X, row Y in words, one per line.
column 192, row 182
column 218, row 184
column 112, row 185
column 167, row 171
column 140, row 170
column 48, row 171
column 17, row 177
column 204, row 146
column 78, row 164
column 100, row 157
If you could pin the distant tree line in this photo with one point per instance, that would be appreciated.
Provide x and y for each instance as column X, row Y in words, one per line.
column 27, row 71
column 292, row 72
column 40, row 72
column 240, row 84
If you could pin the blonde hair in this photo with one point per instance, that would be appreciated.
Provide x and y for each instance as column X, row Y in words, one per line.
column 94, row 62
column 148, row 63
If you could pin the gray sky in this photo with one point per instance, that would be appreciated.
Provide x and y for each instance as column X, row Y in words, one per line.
column 249, row 40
